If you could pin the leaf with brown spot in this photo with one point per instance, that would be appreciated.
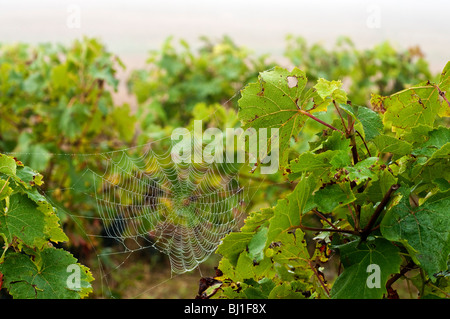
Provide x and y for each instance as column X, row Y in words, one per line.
column 277, row 101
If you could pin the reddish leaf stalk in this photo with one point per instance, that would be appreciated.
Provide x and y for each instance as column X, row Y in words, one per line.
column 319, row 120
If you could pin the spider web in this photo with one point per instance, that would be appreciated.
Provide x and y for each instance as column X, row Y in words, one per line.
column 145, row 199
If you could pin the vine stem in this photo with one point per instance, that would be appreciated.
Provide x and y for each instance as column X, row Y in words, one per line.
column 320, row 121
column 404, row 270
column 355, row 220
column 368, row 229
column 318, row 277
column 442, row 94
column 321, row 216
column 350, row 133
column 345, row 231
column 339, row 113
column 362, row 139
column 354, row 150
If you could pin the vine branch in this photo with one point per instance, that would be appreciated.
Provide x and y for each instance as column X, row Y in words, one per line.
column 362, row 139
column 324, row 286
column 340, row 115
column 402, row 272
column 368, row 229
column 335, row 230
column 321, row 216
column 319, row 120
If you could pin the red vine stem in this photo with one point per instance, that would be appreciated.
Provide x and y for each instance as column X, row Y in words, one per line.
column 320, row 121
column 403, row 271
column 440, row 92
column 321, row 216
column 368, row 229
column 319, row 278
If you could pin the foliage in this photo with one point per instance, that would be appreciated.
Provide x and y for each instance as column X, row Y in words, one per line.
column 30, row 266
column 56, row 102
column 372, row 189
column 180, row 79
column 341, row 159
column 382, row 69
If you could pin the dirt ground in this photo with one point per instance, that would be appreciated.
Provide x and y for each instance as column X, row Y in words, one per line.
column 146, row 277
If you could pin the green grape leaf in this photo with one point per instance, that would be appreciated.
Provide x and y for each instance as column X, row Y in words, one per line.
column 227, row 269
column 233, row 244
column 435, row 139
column 444, row 79
column 33, row 224
column 260, row 289
column 371, row 121
column 327, row 199
column 53, row 228
column 256, row 219
column 257, row 244
column 336, row 142
column 412, row 107
column 5, row 190
column 389, row 144
column 355, row 281
column 326, row 88
column 437, row 165
column 331, row 89
column 291, row 258
column 287, row 290
column 28, row 177
column 287, row 212
column 7, row 165
column 424, row 229
column 377, row 189
column 23, row 220
column 48, row 277
column 417, row 135
column 317, row 165
column 362, row 170
column 244, row 267
column 442, row 184
column 292, row 251
column 276, row 101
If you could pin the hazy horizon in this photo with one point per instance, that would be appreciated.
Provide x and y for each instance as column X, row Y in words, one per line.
column 130, row 29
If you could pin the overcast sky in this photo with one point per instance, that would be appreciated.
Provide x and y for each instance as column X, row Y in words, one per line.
column 131, row 28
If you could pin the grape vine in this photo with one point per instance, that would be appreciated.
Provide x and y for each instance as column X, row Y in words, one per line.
column 372, row 192
column 30, row 265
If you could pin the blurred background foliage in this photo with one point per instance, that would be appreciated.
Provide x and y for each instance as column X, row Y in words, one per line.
column 56, row 103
